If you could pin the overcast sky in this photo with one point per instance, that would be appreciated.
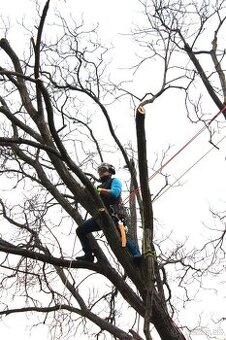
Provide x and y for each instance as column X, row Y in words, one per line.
column 204, row 187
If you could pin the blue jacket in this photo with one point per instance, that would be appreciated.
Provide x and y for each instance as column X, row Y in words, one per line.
column 114, row 196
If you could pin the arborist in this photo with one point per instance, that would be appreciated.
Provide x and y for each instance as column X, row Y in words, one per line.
column 110, row 192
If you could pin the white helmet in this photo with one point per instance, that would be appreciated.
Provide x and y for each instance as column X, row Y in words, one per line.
column 107, row 166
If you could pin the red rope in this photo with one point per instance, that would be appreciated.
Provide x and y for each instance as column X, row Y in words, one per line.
column 135, row 191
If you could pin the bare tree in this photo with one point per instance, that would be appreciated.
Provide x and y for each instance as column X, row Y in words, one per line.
column 50, row 103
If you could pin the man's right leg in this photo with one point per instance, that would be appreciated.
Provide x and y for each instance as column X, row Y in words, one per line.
column 134, row 250
column 82, row 231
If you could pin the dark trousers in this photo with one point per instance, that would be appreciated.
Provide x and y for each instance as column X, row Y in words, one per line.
column 91, row 225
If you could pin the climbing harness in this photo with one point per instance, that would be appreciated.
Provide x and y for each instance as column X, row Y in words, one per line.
column 121, row 214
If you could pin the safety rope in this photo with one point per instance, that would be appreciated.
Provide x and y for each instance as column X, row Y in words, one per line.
column 191, row 167
column 135, row 191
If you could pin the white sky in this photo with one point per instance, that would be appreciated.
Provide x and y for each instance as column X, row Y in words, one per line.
column 180, row 209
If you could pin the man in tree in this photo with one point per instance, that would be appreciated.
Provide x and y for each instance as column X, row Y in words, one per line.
column 110, row 192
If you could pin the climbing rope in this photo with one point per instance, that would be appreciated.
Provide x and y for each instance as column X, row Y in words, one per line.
column 135, row 191
column 190, row 168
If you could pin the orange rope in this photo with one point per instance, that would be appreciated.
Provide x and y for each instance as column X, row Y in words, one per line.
column 192, row 166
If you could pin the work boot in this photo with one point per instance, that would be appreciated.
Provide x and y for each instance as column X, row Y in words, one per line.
column 137, row 259
column 86, row 257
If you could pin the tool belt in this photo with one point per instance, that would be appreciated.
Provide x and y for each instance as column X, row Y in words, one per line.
column 120, row 212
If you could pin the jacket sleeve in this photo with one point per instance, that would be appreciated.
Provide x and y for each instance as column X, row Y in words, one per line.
column 116, row 188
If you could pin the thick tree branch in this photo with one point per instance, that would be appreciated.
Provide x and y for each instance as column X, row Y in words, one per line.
column 204, row 78
column 4, row 44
